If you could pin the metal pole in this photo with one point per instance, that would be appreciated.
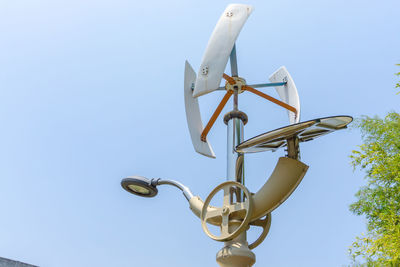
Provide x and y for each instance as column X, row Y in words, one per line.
column 233, row 61
column 235, row 137
column 236, row 252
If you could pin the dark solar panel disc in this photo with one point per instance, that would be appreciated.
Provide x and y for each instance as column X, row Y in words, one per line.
column 305, row 131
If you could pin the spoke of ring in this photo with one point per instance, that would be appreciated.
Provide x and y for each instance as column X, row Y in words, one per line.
column 227, row 197
column 210, row 215
column 260, row 223
column 238, row 207
column 225, row 225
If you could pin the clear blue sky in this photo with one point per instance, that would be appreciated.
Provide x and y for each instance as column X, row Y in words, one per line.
column 91, row 92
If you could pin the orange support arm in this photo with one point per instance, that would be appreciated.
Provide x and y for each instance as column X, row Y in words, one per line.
column 229, row 79
column 214, row 117
column 270, row 98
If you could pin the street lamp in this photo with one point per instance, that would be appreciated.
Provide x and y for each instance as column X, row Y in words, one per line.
column 144, row 187
column 240, row 209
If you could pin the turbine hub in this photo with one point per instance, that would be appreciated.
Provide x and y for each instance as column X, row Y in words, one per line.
column 239, row 83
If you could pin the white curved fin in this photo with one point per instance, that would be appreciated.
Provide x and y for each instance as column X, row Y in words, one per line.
column 219, row 48
column 193, row 116
column 285, row 178
column 288, row 93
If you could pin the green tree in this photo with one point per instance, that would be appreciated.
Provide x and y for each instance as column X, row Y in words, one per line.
column 379, row 200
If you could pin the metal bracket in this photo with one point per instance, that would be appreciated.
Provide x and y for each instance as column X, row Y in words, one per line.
column 293, row 149
column 259, row 85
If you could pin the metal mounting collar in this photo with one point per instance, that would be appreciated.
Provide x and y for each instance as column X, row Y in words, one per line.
column 235, row 114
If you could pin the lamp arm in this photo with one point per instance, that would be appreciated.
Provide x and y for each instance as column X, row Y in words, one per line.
column 195, row 202
column 185, row 190
column 196, row 205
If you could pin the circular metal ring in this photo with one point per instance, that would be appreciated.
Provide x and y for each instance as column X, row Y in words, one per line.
column 221, row 216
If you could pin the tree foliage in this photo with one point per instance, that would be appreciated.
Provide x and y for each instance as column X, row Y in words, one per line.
column 379, row 200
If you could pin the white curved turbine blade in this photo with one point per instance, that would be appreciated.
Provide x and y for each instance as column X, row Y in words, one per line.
column 288, row 93
column 193, row 116
column 219, row 48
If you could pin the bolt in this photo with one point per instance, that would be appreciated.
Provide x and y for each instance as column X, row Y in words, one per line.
column 225, row 210
column 204, row 71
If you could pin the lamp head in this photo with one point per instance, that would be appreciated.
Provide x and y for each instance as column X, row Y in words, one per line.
column 140, row 186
